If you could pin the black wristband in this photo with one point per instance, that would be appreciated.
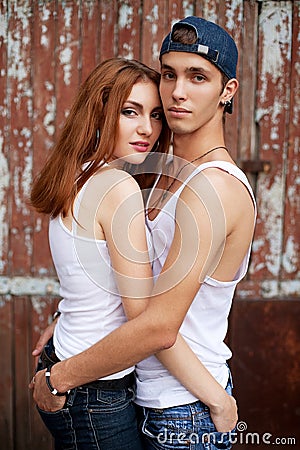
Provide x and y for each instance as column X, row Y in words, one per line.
column 51, row 388
column 56, row 314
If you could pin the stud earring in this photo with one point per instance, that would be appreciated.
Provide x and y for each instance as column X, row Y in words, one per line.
column 227, row 103
column 97, row 138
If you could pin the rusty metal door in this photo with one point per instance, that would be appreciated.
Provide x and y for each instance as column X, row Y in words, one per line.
column 47, row 48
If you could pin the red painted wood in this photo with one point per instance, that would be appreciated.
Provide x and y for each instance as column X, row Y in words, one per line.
column 44, row 105
column 20, row 136
column 47, row 49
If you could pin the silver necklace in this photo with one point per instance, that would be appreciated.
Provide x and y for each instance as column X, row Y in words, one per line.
column 164, row 195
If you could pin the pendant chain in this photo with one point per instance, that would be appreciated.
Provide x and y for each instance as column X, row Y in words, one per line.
column 164, row 195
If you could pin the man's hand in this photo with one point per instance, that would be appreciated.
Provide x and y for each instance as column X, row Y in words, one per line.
column 225, row 418
column 44, row 338
column 42, row 396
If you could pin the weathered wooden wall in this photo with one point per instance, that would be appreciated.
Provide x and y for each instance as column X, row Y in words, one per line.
column 47, row 49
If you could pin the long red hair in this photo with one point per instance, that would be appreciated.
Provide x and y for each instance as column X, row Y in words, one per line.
column 89, row 134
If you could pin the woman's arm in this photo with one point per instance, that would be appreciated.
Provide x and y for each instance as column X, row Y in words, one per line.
column 130, row 266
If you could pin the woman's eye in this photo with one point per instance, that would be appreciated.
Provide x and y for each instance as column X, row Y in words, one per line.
column 128, row 112
column 157, row 115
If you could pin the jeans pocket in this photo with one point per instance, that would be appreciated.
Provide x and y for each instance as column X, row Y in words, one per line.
column 217, row 440
column 166, row 432
column 60, row 425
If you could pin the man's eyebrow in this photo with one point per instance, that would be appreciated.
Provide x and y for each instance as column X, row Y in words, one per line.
column 188, row 69
column 165, row 66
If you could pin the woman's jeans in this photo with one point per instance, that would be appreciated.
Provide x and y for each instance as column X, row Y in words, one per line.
column 94, row 419
column 187, row 427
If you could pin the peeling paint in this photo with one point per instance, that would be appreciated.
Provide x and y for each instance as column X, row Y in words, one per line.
column 291, row 256
column 125, row 16
column 234, row 14
column 65, row 58
column 188, row 8
column 276, row 33
column 4, row 183
column 271, row 211
column 49, row 117
column 21, row 286
column 280, row 289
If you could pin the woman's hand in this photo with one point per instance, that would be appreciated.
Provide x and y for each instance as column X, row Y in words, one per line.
column 44, row 338
column 225, row 417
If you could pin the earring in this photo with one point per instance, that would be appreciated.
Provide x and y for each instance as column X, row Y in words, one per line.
column 97, row 138
column 227, row 103
column 154, row 149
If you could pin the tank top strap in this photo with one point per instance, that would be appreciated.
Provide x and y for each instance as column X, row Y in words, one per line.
column 228, row 167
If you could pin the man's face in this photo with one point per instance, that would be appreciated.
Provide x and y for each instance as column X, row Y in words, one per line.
column 191, row 90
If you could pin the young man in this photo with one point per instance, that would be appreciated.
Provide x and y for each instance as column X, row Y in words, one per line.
column 202, row 236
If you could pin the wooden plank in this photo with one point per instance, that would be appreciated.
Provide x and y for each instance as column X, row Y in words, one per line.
column 108, row 46
column 41, row 311
column 291, row 232
column 129, row 28
column 155, row 27
column 4, row 142
column 272, row 116
column 23, row 373
column 231, row 19
column 89, row 39
column 7, row 375
column 247, row 90
column 265, row 340
column 20, row 105
column 44, row 106
column 178, row 10
column 67, row 59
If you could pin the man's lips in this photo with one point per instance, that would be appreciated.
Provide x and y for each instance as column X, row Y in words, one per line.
column 178, row 112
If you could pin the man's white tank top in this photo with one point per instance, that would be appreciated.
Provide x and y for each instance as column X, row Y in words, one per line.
column 205, row 325
column 91, row 306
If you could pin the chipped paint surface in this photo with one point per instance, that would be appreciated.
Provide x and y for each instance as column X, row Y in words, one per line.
column 47, row 48
column 234, row 15
column 59, row 24
column 276, row 32
column 20, row 286
column 271, row 214
column 4, row 183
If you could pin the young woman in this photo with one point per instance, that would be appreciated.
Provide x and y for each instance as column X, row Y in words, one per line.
column 117, row 115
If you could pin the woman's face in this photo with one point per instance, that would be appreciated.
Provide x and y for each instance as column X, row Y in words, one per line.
column 140, row 123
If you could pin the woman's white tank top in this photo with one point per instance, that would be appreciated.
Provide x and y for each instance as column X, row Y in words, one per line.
column 91, row 306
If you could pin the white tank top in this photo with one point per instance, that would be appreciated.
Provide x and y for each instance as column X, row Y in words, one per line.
column 205, row 325
column 91, row 307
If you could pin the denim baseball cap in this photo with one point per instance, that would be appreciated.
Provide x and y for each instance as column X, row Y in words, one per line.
column 213, row 43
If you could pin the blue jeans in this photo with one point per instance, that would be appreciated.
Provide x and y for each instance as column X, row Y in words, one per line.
column 94, row 419
column 187, row 427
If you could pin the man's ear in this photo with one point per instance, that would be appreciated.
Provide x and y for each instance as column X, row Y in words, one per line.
column 229, row 90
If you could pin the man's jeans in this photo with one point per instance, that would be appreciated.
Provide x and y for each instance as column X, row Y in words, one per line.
column 187, row 427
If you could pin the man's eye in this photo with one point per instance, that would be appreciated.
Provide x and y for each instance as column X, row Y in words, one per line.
column 199, row 77
column 168, row 76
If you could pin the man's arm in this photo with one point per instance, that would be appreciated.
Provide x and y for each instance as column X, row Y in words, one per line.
column 150, row 334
